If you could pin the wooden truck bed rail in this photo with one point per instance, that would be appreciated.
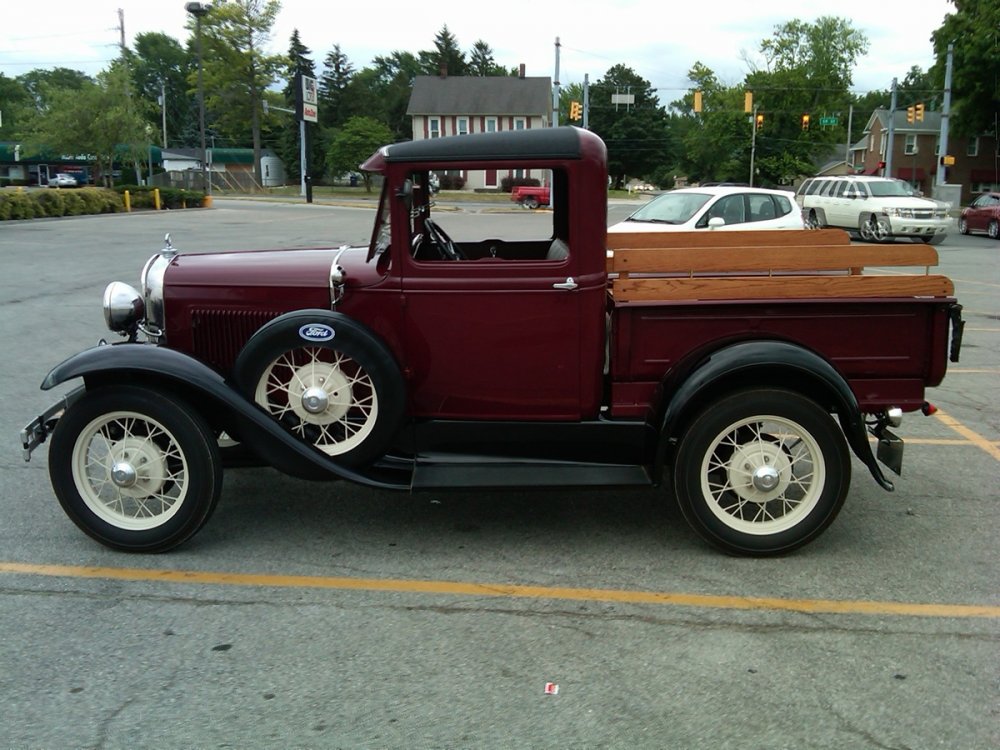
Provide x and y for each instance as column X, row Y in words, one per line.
column 787, row 264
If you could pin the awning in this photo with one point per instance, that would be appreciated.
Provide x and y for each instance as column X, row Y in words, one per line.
column 906, row 173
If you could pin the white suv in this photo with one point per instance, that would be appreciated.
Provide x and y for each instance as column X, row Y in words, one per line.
column 877, row 208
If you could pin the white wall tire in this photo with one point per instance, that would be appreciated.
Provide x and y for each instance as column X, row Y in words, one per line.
column 135, row 469
column 761, row 472
column 343, row 395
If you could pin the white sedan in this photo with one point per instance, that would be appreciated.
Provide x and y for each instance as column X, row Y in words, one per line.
column 715, row 208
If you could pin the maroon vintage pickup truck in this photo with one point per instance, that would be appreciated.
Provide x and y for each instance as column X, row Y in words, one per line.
column 723, row 361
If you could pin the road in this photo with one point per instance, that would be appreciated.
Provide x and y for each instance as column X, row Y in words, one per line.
column 326, row 615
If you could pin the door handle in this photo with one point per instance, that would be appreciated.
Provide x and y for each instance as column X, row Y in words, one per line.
column 568, row 284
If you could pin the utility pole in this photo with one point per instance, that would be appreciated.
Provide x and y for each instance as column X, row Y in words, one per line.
column 121, row 30
column 753, row 141
column 892, row 132
column 163, row 108
column 555, row 90
column 945, row 117
column 850, row 123
column 586, row 101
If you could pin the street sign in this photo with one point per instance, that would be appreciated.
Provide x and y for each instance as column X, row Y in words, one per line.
column 828, row 121
column 309, row 99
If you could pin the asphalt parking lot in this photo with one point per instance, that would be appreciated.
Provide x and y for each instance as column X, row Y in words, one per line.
column 327, row 615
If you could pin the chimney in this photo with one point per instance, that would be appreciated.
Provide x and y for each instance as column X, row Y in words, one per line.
column 443, row 70
column 520, row 71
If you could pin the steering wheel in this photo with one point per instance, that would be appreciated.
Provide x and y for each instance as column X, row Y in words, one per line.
column 446, row 246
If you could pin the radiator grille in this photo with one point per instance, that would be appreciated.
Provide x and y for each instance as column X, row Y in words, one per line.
column 219, row 335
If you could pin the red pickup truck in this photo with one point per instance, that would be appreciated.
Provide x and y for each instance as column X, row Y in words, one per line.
column 740, row 369
column 530, row 196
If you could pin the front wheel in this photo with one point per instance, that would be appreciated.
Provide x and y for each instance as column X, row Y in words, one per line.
column 993, row 229
column 530, row 202
column 963, row 226
column 761, row 472
column 135, row 469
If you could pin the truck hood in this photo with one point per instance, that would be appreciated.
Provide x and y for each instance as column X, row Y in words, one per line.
column 273, row 268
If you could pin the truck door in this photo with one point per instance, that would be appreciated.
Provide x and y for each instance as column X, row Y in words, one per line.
column 495, row 333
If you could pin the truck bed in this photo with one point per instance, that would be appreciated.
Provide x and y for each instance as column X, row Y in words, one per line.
column 676, row 297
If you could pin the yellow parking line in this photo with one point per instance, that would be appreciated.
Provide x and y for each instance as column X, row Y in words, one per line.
column 511, row 591
column 973, row 437
column 971, row 371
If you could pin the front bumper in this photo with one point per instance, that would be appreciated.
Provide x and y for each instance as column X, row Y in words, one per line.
column 38, row 430
column 904, row 227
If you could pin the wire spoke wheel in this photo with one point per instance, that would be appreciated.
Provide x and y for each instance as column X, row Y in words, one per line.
column 130, row 470
column 763, row 474
column 322, row 395
column 761, row 471
column 134, row 468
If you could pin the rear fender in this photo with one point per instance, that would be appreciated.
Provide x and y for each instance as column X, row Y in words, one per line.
column 206, row 390
column 765, row 364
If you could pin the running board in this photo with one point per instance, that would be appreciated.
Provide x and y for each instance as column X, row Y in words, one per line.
column 509, row 475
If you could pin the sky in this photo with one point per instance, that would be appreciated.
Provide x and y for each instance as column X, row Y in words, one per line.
column 659, row 39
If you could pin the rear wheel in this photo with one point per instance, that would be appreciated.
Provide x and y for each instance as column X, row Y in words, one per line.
column 812, row 221
column 530, row 202
column 135, row 469
column 761, row 472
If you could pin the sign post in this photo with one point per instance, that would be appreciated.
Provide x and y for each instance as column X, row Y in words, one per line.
column 306, row 110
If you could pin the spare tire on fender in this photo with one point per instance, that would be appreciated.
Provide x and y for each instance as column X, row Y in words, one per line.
column 329, row 379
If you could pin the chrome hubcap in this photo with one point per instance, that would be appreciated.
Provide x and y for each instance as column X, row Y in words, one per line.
column 315, row 400
column 123, row 474
column 765, row 478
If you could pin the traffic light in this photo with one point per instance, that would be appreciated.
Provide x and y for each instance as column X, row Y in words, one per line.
column 805, row 121
column 911, row 114
column 697, row 101
column 760, row 121
column 920, row 111
column 575, row 110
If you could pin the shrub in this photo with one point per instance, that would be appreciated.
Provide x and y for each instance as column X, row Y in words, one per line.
column 452, row 182
column 50, row 202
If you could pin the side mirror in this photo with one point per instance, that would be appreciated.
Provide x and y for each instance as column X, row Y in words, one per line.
column 715, row 222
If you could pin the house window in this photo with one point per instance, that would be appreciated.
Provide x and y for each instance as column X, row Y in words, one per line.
column 519, row 123
column 973, row 147
column 434, row 127
column 491, row 124
column 463, row 126
column 911, row 144
column 881, row 147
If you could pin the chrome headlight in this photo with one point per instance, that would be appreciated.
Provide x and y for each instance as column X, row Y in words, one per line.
column 123, row 308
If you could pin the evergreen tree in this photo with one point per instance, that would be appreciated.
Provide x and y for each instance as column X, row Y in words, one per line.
column 446, row 55
column 481, row 62
column 288, row 144
column 337, row 75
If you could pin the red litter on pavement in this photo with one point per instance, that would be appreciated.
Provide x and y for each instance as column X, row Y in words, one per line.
column 551, row 688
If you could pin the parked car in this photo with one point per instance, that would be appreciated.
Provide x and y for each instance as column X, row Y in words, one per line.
column 714, row 208
column 982, row 216
column 530, row 196
column 877, row 208
column 63, row 180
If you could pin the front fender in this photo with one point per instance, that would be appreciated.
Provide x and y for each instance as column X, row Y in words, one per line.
column 767, row 363
column 157, row 367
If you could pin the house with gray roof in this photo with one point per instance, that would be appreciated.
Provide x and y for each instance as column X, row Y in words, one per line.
column 444, row 105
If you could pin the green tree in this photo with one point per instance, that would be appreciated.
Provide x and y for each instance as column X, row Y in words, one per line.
column 353, row 143
column 17, row 107
column 974, row 30
column 237, row 69
column 446, row 55
column 103, row 118
column 715, row 143
column 481, row 61
column 637, row 136
column 383, row 90
column 160, row 63
column 39, row 83
column 337, row 74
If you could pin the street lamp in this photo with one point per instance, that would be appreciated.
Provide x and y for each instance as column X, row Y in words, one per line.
column 198, row 10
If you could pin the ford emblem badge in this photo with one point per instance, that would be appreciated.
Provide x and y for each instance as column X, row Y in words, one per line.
column 316, row 332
